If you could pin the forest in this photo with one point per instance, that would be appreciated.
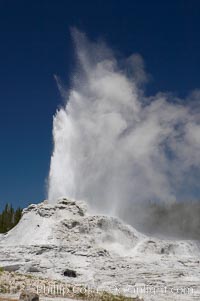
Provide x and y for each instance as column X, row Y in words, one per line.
column 9, row 217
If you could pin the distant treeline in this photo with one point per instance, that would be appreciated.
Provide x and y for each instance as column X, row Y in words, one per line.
column 9, row 218
column 178, row 220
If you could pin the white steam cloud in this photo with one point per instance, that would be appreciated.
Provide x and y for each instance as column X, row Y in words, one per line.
column 112, row 145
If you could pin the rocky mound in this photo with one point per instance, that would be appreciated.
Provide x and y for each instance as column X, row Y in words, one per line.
column 64, row 241
column 68, row 223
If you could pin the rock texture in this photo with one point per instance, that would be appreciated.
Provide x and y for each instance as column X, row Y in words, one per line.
column 101, row 251
column 28, row 296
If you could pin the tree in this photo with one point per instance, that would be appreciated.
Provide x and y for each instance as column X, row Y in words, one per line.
column 9, row 218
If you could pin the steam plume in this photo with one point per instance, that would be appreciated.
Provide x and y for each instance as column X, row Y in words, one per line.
column 112, row 145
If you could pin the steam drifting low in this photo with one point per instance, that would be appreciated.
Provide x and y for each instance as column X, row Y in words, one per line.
column 114, row 146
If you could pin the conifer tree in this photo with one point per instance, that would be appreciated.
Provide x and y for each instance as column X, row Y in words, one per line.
column 9, row 218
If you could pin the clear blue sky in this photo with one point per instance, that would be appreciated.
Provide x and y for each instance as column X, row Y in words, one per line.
column 35, row 45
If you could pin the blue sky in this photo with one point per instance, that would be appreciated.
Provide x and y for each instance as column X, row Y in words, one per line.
column 36, row 44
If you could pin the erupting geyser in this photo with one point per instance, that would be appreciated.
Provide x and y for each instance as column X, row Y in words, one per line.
column 113, row 145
